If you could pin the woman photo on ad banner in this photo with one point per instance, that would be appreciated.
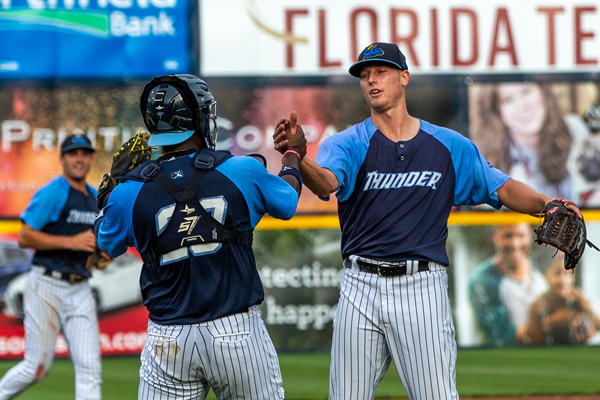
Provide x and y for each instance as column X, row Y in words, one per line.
column 521, row 130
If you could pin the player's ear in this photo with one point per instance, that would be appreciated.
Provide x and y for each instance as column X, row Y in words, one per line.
column 404, row 77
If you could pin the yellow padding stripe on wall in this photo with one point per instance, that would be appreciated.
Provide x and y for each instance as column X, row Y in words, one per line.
column 331, row 221
column 10, row 227
column 456, row 218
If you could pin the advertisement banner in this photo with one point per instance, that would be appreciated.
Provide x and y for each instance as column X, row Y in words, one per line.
column 320, row 37
column 563, row 130
column 542, row 134
column 506, row 290
column 122, row 317
column 301, row 271
column 93, row 39
column 36, row 119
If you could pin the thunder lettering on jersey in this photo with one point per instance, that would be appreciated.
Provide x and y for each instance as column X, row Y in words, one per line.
column 205, row 281
column 59, row 209
column 394, row 198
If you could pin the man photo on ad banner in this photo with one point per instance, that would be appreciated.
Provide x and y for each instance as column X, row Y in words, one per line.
column 502, row 287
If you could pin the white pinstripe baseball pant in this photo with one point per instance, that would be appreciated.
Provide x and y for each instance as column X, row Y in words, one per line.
column 406, row 319
column 52, row 305
column 233, row 355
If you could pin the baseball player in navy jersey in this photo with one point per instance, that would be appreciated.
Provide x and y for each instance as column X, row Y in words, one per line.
column 58, row 224
column 191, row 215
column 396, row 179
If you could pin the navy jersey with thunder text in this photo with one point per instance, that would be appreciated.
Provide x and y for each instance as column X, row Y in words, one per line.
column 58, row 209
column 394, row 198
column 204, row 281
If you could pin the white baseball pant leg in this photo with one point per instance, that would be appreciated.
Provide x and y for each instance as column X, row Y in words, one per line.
column 80, row 329
column 47, row 304
column 406, row 319
column 233, row 355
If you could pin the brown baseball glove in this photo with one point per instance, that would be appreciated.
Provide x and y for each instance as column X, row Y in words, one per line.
column 98, row 260
column 131, row 154
column 563, row 229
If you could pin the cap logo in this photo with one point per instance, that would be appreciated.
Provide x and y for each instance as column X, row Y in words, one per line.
column 372, row 51
column 79, row 139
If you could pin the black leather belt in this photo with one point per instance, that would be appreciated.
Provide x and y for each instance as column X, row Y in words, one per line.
column 397, row 268
column 71, row 278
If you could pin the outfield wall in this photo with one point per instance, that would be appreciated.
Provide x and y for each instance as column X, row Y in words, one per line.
column 301, row 268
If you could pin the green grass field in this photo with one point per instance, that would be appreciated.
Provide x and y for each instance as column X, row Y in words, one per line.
column 480, row 373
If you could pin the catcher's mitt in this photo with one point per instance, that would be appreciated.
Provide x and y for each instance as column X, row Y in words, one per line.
column 131, row 154
column 98, row 260
column 563, row 229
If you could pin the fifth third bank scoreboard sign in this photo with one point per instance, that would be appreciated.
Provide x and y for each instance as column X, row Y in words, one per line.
column 92, row 38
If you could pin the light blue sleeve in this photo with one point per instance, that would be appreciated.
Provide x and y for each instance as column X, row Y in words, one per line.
column 47, row 204
column 114, row 229
column 92, row 190
column 344, row 153
column 476, row 179
column 264, row 193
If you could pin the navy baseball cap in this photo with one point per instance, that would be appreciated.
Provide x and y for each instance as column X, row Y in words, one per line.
column 76, row 142
column 382, row 52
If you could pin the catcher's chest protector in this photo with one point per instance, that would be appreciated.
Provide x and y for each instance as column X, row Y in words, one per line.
column 189, row 223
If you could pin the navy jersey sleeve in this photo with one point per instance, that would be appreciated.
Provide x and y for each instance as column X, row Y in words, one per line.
column 114, row 230
column 263, row 192
column 476, row 179
column 47, row 204
column 344, row 153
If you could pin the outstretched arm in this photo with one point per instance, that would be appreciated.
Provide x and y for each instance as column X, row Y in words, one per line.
column 319, row 180
column 521, row 198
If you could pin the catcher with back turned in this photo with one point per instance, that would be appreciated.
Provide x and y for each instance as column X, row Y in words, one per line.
column 191, row 215
column 396, row 178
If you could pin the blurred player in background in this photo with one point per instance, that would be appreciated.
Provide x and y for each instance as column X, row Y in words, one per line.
column 396, row 179
column 191, row 215
column 562, row 315
column 58, row 224
column 502, row 288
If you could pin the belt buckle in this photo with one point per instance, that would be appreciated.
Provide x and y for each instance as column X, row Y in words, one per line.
column 388, row 265
column 74, row 278
column 384, row 265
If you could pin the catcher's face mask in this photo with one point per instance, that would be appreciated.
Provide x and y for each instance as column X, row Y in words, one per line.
column 175, row 107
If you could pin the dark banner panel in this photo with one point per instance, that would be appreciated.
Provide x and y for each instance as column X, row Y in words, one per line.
column 34, row 120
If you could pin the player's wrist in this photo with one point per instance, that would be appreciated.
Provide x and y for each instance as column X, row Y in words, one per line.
column 291, row 151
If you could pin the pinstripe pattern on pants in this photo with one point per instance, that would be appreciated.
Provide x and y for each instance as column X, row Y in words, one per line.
column 52, row 305
column 233, row 355
column 406, row 319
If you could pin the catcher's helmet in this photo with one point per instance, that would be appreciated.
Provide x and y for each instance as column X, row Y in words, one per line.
column 174, row 107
